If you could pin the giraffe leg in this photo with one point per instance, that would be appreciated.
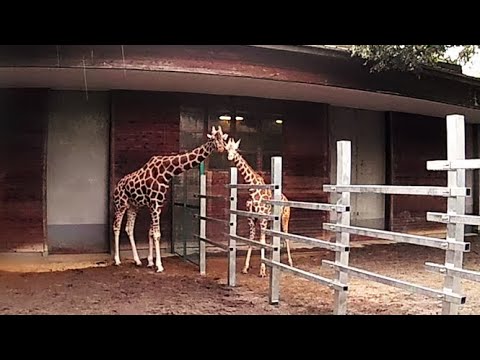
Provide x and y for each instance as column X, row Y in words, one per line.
column 155, row 213
column 117, row 223
column 285, row 221
column 150, row 247
column 251, row 225
column 129, row 229
column 263, row 227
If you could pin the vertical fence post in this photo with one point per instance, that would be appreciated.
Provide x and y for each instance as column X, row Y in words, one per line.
column 276, row 179
column 455, row 205
column 232, row 246
column 344, row 162
column 203, row 224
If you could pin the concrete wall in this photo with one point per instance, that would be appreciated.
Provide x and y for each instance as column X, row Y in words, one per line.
column 77, row 171
column 366, row 131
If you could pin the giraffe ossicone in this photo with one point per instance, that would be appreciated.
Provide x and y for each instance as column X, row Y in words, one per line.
column 148, row 186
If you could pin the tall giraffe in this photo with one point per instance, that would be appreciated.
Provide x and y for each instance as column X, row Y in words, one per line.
column 148, row 187
column 256, row 204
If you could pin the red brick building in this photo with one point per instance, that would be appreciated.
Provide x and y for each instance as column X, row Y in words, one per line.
column 74, row 119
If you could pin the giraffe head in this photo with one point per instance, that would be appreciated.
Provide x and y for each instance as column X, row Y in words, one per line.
column 232, row 148
column 218, row 138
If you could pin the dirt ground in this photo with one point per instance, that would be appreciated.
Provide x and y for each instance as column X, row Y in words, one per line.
column 107, row 289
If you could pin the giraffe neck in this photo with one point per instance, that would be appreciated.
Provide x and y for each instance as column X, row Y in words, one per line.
column 191, row 159
column 249, row 175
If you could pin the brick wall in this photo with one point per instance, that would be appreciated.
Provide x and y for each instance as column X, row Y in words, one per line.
column 23, row 128
column 305, row 170
column 415, row 139
column 143, row 124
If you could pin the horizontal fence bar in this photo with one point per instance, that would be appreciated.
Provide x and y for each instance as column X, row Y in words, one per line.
column 320, row 243
column 461, row 273
column 221, row 246
column 253, row 214
column 306, row 275
column 223, row 221
column 453, row 219
column 200, row 196
column 400, row 190
column 188, row 206
column 399, row 237
column 252, row 186
column 416, row 289
column 253, row 242
column 310, row 205
column 471, row 164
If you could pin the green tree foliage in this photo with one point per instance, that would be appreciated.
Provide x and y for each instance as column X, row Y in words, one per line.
column 409, row 57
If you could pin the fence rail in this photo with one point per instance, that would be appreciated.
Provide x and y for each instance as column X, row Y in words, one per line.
column 320, row 243
column 211, row 242
column 253, row 242
column 251, row 187
column 452, row 218
column 461, row 273
column 203, row 196
column 440, row 165
column 400, row 237
column 223, row 221
column 254, row 215
column 307, row 275
column 400, row 190
column 310, row 205
column 413, row 288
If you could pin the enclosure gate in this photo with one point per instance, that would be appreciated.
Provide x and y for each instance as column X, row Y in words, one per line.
column 185, row 208
column 203, row 218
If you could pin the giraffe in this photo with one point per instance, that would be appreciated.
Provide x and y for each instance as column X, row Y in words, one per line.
column 256, row 204
column 148, row 186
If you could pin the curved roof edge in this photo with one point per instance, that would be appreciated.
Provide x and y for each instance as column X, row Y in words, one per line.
column 446, row 71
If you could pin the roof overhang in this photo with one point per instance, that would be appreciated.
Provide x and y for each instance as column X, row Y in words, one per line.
column 117, row 79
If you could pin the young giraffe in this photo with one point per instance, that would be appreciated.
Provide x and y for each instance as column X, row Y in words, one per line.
column 148, row 187
column 256, row 204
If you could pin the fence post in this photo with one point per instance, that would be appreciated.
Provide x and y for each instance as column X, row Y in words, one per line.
column 455, row 205
column 232, row 246
column 203, row 224
column 344, row 162
column 276, row 179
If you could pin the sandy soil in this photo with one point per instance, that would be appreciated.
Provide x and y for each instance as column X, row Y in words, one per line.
column 99, row 288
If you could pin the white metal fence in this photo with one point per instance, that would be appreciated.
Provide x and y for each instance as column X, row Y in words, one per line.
column 455, row 218
column 454, row 244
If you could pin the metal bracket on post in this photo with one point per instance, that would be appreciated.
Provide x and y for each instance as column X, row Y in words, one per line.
column 276, row 179
column 232, row 244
